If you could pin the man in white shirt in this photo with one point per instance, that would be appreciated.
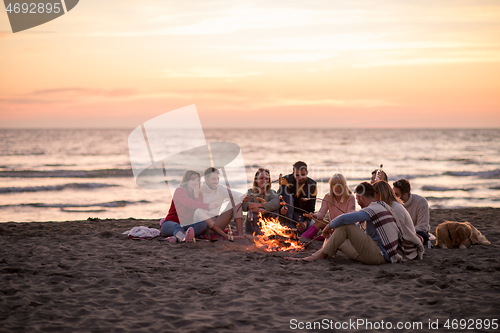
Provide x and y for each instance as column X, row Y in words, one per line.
column 213, row 192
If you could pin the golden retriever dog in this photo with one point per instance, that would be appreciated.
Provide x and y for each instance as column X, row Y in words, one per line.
column 451, row 234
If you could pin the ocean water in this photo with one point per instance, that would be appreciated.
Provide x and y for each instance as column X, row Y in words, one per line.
column 73, row 174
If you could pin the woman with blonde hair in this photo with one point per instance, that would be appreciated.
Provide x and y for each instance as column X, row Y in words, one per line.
column 337, row 201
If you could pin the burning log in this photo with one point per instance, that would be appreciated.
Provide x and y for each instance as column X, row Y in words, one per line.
column 276, row 237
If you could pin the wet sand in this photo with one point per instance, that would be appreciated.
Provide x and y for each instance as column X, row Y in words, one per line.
column 86, row 276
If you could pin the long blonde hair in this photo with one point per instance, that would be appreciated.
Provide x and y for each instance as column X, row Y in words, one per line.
column 339, row 179
column 386, row 192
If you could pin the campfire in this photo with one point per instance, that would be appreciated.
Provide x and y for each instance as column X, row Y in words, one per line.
column 276, row 237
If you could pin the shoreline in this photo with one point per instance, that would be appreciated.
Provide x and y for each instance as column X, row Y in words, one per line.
column 81, row 276
column 434, row 213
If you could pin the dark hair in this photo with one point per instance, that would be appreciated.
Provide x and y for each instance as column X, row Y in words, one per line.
column 365, row 189
column 382, row 172
column 403, row 185
column 209, row 171
column 299, row 165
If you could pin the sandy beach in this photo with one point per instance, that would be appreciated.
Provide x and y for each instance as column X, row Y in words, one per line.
column 86, row 276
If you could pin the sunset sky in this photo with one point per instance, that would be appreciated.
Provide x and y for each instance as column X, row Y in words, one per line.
column 271, row 64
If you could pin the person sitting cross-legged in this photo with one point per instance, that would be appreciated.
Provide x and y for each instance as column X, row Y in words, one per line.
column 216, row 194
column 178, row 224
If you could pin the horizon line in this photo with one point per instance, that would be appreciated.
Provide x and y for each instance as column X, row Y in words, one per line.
column 261, row 128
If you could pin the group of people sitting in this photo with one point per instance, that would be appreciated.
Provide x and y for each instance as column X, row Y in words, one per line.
column 392, row 226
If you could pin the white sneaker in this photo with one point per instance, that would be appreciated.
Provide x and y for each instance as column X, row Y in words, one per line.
column 171, row 239
column 181, row 236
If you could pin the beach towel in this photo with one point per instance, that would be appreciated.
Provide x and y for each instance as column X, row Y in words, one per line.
column 142, row 233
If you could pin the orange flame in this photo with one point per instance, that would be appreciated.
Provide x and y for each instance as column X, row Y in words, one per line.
column 276, row 237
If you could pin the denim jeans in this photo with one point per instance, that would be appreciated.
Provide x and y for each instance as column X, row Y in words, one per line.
column 251, row 225
column 291, row 214
column 169, row 228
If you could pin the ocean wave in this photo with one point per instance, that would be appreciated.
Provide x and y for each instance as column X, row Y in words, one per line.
column 111, row 204
column 480, row 174
column 433, row 199
column 101, row 173
column 408, row 176
column 458, row 160
column 463, row 160
column 49, row 188
column 59, row 165
column 82, row 210
column 21, row 153
column 444, row 189
column 438, row 206
column 430, row 198
column 392, row 178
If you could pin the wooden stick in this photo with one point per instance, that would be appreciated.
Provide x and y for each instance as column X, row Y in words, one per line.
column 280, row 215
column 278, row 180
column 315, row 219
column 317, row 236
column 296, row 207
column 305, row 199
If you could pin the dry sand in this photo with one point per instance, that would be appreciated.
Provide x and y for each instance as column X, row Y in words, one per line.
column 85, row 276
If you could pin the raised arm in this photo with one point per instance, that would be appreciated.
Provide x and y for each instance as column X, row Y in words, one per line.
column 223, row 194
column 349, row 218
column 244, row 205
column 324, row 207
column 273, row 202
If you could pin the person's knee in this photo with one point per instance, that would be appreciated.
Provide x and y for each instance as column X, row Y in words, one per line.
column 200, row 215
column 168, row 228
column 202, row 226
